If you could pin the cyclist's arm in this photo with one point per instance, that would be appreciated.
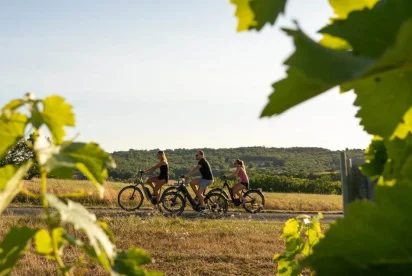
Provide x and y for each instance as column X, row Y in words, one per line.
column 234, row 173
column 154, row 167
column 192, row 171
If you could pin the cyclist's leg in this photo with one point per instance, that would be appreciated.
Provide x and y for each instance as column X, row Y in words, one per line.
column 158, row 184
column 236, row 190
column 193, row 184
column 203, row 183
column 151, row 181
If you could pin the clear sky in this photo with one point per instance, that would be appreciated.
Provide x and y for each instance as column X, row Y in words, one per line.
column 168, row 74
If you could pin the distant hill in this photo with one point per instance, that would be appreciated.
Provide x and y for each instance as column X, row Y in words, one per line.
column 266, row 160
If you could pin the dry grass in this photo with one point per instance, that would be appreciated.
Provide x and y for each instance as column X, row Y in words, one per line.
column 179, row 247
column 274, row 201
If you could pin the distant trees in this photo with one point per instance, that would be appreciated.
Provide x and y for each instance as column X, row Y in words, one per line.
column 21, row 152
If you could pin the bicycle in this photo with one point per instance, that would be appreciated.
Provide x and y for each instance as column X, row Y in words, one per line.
column 132, row 192
column 174, row 202
column 253, row 196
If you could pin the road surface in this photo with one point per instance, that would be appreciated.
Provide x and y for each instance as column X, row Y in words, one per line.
column 117, row 212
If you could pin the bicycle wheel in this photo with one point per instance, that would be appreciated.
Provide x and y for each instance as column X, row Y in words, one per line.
column 255, row 201
column 218, row 190
column 173, row 203
column 130, row 198
column 216, row 202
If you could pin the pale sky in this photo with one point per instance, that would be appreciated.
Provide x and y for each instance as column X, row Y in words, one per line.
column 168, row 74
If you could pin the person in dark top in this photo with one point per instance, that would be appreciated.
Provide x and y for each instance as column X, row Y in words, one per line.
column 158, row 181
column 205, row 180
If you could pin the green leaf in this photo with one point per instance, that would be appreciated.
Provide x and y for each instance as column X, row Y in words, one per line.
column 12, row 105
column 63, row 160
column 244, row 14
column 399, row 153
column 391, row 94
column 77, row 215
column 315, row 69
column 372, row 239
column 254, row 14
column 128, row 262
column 334, row 42
column 11, row 130
column 343, row 8
column 376, row 158
column 89, row 159
column 380, row 26
column 43, row 242
column 321, row 73
column 56, row 115
column 10, row 183
column 12, row 248
column 404, row 127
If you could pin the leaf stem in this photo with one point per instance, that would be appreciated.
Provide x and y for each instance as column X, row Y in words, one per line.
column 59, row 260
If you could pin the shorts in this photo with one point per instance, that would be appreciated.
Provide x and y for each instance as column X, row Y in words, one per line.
column 165, row 177
column 246, row 184
column 203, row 183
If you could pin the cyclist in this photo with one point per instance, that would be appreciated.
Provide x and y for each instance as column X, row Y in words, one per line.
column 205, row 180
column 244, row 181
column 158, row 181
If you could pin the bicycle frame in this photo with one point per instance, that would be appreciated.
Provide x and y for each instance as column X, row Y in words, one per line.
column 226, row 185
column 185, row 192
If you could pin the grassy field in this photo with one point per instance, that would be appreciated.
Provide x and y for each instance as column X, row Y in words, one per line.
column 274, row 201
column 179, row 247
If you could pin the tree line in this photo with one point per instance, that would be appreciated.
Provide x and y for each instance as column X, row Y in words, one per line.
column 295, row 169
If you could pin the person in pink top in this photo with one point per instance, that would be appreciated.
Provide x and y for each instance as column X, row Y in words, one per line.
column 244, row 180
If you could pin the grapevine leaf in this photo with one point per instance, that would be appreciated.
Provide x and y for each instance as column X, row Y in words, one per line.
column 13, row 105
column 266, row 11
column 77, row 215
column 334, row 42
column 244, row 14
column 11, row 130
column 391, row 94
column 371, row 32
column 399, row 152
column 321, row 73
column 341, row 10
column 315, row 69
column 404, row 127
column 62, row 161
column 376, row 157
column 372, row 238
column 13, row 246
column 56, row 115
column 313, row 234
column 286, row 266
column 129, row 262
column 254, row 14
column 10, row 183
column 43, row 242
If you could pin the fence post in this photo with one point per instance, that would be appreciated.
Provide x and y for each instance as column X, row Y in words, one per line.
column 344, row 179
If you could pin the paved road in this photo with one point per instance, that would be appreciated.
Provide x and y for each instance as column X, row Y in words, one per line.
column 116, row 212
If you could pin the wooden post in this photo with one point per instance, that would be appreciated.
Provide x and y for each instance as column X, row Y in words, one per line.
column 344, row 179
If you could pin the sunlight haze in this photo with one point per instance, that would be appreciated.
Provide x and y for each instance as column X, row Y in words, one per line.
column 168, row 74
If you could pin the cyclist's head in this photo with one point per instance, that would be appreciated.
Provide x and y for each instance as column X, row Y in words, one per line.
column 200, row 154
column 239, row 163
column 161, row 155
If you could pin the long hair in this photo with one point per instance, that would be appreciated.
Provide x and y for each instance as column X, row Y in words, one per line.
column 241, row 163
column 163, row 155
